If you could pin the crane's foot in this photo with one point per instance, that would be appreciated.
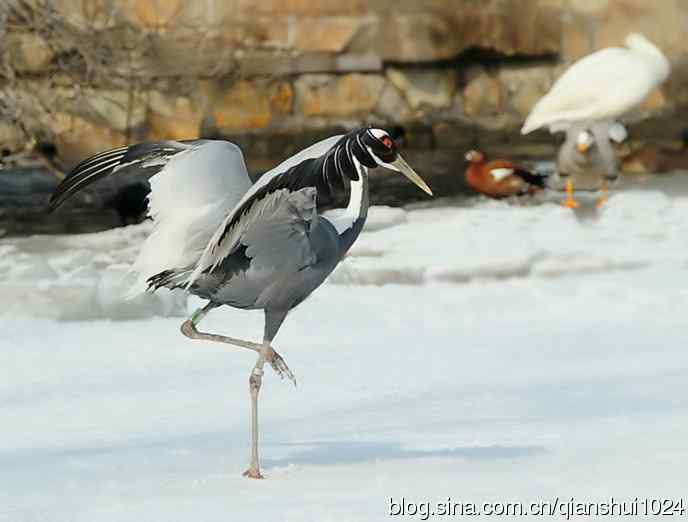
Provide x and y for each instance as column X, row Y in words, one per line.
column 189, row 329
column 279, row 366
column 252, row 473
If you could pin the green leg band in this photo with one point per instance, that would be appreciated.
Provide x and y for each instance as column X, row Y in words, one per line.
column 197, row 316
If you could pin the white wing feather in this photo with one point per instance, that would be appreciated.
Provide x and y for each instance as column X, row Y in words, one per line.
column 189, row 198
column 217, row 250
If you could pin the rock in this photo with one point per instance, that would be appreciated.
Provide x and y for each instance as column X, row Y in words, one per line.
column 282, row 98
column 418, row 37
column 482, row 94
column 87, row 15
column 392, row 105
column 661, row 22
column 173, row 117
column 11, row 138
column 455, row 136
column 118, row 109
column 326, row 34
column 345, row 95
column 28, row 53
column 245, row 106
column 577, row 37
column 590, row 7
column 302, row 7
column 417, row 32
column 433, row 88
column 77, row 138
column 524, row 86
column 154, row 14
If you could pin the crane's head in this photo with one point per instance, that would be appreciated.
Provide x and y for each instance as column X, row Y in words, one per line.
column 384, row 153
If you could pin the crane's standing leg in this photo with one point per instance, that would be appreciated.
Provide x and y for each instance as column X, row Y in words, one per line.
column 188, row 328
column 273, row 320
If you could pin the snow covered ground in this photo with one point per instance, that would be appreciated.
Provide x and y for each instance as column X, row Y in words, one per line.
column 483, row 352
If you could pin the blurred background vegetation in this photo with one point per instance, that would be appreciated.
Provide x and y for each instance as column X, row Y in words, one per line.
column 81, row 76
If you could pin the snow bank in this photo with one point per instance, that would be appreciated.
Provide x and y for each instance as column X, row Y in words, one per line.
column 381, row 217
column 498, row 240
column 83, row 276
column 75, row 277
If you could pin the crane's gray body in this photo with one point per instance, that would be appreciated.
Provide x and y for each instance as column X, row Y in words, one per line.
column 283, row 259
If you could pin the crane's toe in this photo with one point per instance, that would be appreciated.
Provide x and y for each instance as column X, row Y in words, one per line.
column 252, row 473
column 280, row 367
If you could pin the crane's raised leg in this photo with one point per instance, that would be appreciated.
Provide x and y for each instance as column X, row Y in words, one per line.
column 273, row 320
column 188, row 328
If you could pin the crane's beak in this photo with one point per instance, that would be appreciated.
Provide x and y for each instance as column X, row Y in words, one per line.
column 400, row 165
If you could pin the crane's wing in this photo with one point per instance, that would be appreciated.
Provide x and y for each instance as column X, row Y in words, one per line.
column 227, row 235
column 196, row 184
column 275, row 230
column 602, row 85
column 273, row 235
column 142, row 157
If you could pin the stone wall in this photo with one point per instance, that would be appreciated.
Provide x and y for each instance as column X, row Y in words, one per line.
column 275, row 74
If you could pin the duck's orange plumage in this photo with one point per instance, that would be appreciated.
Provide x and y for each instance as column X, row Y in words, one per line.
column 500, row 178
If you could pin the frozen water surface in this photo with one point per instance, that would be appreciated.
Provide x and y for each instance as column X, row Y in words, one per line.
column 487, row 352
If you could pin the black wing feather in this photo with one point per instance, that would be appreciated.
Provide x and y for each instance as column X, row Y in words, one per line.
column 103, row 164
column 328, row 174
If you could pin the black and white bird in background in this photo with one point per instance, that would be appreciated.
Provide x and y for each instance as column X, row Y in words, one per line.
column 265, row 245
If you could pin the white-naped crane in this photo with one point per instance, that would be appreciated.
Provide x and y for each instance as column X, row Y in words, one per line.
column 265, row 245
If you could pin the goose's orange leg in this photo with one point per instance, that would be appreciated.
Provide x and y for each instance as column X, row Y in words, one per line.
column 605, row 195
column 569, row 202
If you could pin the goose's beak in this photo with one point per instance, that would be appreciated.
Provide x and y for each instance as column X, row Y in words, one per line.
column 582, row 147
column 400, row 165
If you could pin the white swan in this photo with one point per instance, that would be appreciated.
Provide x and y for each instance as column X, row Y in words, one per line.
column 601, row 86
